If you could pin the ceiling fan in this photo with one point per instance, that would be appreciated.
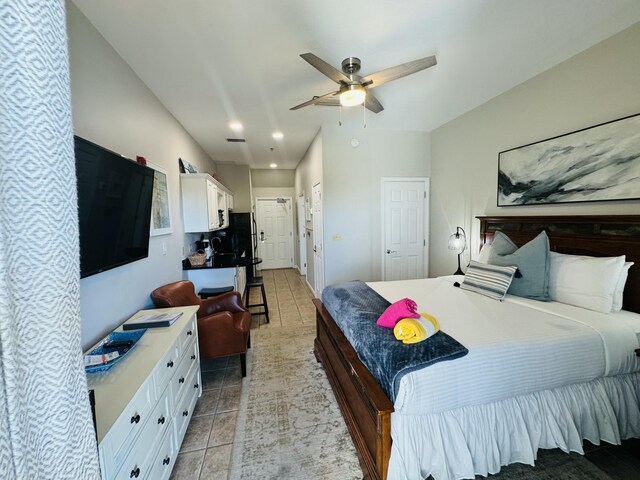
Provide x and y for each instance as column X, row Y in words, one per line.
column 354, row 89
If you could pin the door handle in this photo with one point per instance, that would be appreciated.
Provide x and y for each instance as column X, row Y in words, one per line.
column 262, row 236
column 391, row 251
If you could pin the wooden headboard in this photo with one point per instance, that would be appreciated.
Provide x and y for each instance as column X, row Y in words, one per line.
column 594, row 235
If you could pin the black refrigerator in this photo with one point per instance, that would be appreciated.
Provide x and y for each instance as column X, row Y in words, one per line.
column 240, row 237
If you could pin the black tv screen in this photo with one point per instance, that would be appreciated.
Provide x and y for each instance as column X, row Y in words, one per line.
column 114, row 208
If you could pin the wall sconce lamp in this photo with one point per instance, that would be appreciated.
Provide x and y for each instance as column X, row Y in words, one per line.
column 458, row 242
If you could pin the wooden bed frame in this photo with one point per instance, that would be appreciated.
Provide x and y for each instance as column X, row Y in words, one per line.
column 365, row 407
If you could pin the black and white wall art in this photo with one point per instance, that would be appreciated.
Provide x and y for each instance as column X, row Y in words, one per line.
column 593, row 164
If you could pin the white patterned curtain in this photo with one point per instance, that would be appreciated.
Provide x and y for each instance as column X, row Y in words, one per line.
column 46, row 431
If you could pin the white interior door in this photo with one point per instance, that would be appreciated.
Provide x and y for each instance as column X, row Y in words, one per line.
column 405, row 202
column 318, row 247
column 302, row 238
column 275, row 232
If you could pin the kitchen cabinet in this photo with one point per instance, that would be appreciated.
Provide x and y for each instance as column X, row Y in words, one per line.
column 144, row 403
column 204, row 203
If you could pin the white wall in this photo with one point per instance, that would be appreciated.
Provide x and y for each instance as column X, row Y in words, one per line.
column 237, row 178
column 351, row 193
column 274, row 192
column 272, row 177
column 113, row 108
column 308, row 173
column 597, row 85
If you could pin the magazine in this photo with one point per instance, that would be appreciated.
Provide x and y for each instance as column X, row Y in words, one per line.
column 152, row 320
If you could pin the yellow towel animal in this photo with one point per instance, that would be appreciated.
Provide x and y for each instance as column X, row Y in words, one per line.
column 414, row 330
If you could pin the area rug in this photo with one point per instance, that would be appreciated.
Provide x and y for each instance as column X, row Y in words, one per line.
column 290, row 427
column 552, row 465
column 289, row 423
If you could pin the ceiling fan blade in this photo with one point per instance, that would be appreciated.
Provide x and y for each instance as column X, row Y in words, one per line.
column 326, row 69
column 399, row 71
column 314, row 100
column 329, row 102
column 372, row 103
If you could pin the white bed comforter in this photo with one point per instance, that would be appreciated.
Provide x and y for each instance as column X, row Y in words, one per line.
column 537, row 375
column 516, row 347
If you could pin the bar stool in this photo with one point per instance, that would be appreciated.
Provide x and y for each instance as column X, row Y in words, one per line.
column 213, row 292
column 254, row 282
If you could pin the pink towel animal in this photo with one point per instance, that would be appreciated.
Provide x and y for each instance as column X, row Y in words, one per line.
column 405, row 308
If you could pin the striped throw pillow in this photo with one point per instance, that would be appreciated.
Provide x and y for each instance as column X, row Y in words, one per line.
column 490, row 280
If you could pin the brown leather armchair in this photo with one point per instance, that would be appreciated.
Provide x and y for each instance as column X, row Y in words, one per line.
column 223, row 323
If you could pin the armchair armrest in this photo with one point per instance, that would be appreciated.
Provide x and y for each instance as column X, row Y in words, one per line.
column 227, row 302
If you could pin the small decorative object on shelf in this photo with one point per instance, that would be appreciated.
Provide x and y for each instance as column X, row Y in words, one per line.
column 186, row 167
column 141, row 160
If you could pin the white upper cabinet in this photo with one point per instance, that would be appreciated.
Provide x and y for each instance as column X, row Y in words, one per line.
column 229, row 201
column 204, row 203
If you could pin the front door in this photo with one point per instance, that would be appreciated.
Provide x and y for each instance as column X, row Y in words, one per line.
column 405, row 202
column 275, row 232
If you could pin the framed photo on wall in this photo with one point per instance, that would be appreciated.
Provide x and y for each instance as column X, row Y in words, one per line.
column 598, row 163
column 160, row 205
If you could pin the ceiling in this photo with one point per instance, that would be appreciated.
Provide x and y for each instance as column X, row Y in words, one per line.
column 211, row 62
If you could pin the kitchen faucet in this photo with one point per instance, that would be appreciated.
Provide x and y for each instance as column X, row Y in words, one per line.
column 215, row 238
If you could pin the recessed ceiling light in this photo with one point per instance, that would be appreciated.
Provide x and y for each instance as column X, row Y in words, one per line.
column 274, row 165
column 278, row 135
column 235, row 126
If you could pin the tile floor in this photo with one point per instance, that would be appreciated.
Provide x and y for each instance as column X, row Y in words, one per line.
column 206, row 449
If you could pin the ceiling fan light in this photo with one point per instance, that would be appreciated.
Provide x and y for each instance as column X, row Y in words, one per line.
column 352, row 95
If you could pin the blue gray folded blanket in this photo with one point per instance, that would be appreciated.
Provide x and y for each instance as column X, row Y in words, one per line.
column 355, row 307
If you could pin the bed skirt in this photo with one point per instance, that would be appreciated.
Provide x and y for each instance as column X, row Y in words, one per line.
column 478, row 440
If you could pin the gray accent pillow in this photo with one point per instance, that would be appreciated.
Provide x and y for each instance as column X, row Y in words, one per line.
column 532, row 260
column 489, row 280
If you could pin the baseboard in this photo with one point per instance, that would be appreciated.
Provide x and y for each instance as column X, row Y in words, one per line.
column 309, row 285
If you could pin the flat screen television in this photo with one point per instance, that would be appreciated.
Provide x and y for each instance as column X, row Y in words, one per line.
column 114, row 208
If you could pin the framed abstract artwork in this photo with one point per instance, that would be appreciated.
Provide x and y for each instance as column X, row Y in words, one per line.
column 160, row 205
column 597, row 163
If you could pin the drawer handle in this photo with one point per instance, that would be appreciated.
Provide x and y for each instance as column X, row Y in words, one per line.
column 135, row 418
column 189, row 333
column 161, row 421
column 134, row 473
column 166, row 461
column 196, row 385
column 193, row 357
column 185, row 413
column 170, row 364
column 181, row 380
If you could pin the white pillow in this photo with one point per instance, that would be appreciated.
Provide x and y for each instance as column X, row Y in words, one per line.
column 587, row 282
column 484, row 254
column 617, row 294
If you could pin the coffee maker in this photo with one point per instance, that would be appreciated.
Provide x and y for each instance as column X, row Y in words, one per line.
column 204, row 244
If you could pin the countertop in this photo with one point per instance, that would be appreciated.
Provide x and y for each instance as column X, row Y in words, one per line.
column 224, row 260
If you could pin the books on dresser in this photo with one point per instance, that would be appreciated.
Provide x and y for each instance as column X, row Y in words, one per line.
column 151, row 320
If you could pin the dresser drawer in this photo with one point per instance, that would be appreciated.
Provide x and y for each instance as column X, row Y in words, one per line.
column 139, row 460
column 179, row 382
column 165, row 459
column 188, row 334
column 127, row 427
column 166, row 367
column 187, row 404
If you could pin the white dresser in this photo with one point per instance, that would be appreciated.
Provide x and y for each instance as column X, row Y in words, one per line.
column 145, row 402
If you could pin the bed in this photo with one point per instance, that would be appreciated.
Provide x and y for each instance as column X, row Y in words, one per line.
column 369, row 413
